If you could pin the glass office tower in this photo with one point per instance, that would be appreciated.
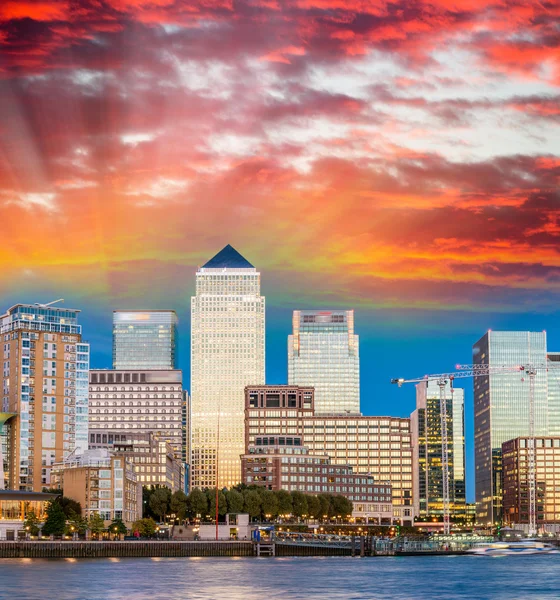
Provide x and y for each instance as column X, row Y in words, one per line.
column 425, row 423
column 145, row 339
column 501, row 409
column 227, row 353
column 323, row 352
column 554, row 393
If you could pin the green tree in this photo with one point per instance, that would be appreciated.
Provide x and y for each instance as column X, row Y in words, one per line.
column 342, row 506
column 76, row 524
column 55, row 523
column 285, row 506
column 222, row 503
column 117, row 527
column 269, row 504
column 325, row 502
column 234, row 501
column 71, row 507
column 252, row 503
column 96, row 524
column 299, row 501
column 313, row 507
column 198, row 504
column 32, row 523
column 159, row 501
column 144, row 527
column 178, row 505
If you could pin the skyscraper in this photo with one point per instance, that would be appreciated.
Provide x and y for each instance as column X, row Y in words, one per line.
column 501, row 409
column 145, row 339
column 227, row 353
column 323, row 352
column 44, row 387
column 425, row 424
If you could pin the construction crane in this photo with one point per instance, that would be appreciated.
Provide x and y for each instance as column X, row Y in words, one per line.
column 468, row 371
column 49, row 303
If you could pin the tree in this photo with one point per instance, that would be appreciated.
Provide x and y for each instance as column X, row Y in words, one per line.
column 252, row 503
column 55, row 522
column 76, row 524
column 117, row 527
column 325, row 502
column 144, row 527
column 96, row 524
column 313, row 507
column 159, row 501
column 285, row 506
column 299, row 501
column 342, row 506
column 198, row 504
column 234, row 501
column 178, row 505
column 222, row 503
column 71, row 507
column 269, row 504
column 32, row 523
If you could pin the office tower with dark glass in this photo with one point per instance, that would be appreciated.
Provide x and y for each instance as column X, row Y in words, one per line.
column 145, row 339
column 501, row 409
column 425, row 423
column 323, row 352
column 44, row 391
column 227, row 353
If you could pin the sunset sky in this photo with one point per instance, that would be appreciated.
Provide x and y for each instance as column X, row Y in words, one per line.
column 399, row 158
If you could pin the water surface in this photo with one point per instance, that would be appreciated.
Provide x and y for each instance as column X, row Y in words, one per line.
column 398, row 578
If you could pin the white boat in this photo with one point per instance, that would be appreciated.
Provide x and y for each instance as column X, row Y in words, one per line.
column 521, row 548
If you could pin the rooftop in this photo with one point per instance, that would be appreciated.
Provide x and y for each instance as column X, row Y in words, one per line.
column 228, row 258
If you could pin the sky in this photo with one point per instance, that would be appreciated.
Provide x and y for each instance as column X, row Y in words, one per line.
column 398, row 158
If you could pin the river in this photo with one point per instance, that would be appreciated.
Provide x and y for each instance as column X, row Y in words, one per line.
column 397, row 578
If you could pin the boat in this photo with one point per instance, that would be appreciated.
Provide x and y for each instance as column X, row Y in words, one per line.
column 521, row 548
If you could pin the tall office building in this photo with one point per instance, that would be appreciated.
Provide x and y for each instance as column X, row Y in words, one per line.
column 227, row 353
column 425, row 424
column 145, row 339
column 377, row 446
column 44, row 391
column 554, row 393
column 323, row 352
column 501, row 409
column 127, row 401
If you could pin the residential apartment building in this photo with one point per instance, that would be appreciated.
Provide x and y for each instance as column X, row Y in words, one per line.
column 153, row 457
column 323, row 352
column 501, row 406
column 282, row 463
column 515, row 465
column 103, row 483
column 376, row 446
column 139, row 402
column 227, row 353
column 145, row 340
column 427, row 462
column 45, row 367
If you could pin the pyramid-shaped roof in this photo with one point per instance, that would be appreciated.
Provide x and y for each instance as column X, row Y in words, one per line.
column 228, row 258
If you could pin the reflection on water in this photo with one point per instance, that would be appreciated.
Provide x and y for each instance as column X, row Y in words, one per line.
column 398, row 578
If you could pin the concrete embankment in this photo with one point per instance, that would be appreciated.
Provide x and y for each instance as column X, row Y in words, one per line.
column 136, row 549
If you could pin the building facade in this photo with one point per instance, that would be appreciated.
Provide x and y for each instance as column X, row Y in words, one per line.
column 15, row 506
column 427, row 462
column 282, row 463
column 376, row 446
column 102, row 482
column 154, row 458
column 501, row 407
column 45, row 366
column 227, row 353
column 145, row 339
column 323, row 352
column 136, row 402
column 553, row 374
column 515, row 465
